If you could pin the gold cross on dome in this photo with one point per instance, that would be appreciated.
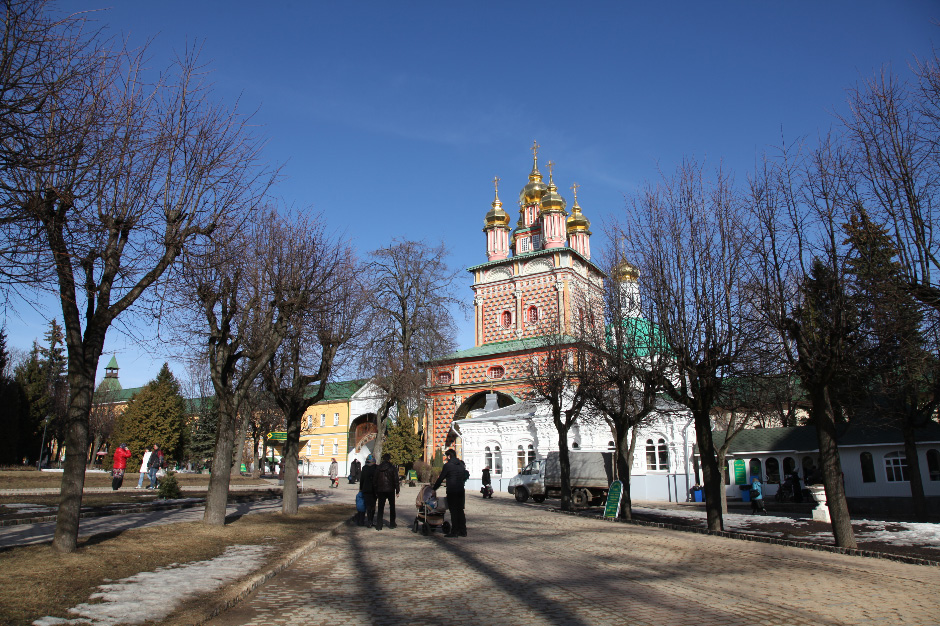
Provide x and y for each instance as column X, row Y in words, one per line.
column 535, row 149
column 551, row 164
column 496, row 186
column 574, row 189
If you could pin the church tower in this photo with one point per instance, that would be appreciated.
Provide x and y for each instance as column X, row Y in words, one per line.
column 537, row 281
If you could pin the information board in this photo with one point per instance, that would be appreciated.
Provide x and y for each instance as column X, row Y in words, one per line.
column 614, row 495
column 277, row 436
column 740, row 472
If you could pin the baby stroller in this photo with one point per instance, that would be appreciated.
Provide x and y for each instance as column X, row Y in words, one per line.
column 431, row 510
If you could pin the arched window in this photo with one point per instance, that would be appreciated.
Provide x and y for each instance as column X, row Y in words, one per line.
column 657, row 455
column 506, row 319
column 868, row 467
column 933, row 464
column 520, row 457
column 611, row 446
column 896, row 467
column 773, row 471
column 487, row 457
column 755, row 469
column 533, row 315
column 575, row 445
column 808, row 466
column 530, row 454
column 497, row 460
column 789, row 465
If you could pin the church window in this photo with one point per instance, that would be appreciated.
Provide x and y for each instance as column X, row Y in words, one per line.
column 657, row 455
column 487, row 457
column 536, row 240
column 497, row 371
column 443, row 378
column 896, row 467
column 524, row 244
column 533, row 314
column 497, row 460
column 868, row 467
column 506, row 319
column 520, row 458
column 933, row 464
column 530, row 453
column 611, row 446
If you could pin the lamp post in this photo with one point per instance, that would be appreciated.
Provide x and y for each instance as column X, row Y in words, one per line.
column 42, row 446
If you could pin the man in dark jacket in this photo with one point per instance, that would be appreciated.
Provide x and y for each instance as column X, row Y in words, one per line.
column 387, row 486
column 355, row 468
column 367, row 487
column 156, row 460
column 455, row 473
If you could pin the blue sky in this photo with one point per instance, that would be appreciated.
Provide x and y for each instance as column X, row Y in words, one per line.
column 392, row 118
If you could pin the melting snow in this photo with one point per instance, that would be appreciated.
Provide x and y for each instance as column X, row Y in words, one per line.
column 154, row 595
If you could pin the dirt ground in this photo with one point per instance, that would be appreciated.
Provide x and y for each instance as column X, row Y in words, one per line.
column 35, row 581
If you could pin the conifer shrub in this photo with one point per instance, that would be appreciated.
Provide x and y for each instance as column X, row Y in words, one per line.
column 169, row 488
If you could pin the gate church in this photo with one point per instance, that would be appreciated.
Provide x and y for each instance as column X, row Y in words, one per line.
column 538, row 280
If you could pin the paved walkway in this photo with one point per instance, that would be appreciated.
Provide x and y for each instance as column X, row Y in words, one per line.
column 525, row 565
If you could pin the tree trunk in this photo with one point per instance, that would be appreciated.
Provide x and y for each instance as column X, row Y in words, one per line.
column 564, row 464
column 221, row 477
column 256, row 470
column 289, row 459
column 240, row 445
column 832, row 470
column 713, row 482
column 625, row 465
column 918, row 499
column 722, row 463
column 73, row 478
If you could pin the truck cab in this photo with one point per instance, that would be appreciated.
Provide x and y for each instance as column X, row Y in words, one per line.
column 530, row 482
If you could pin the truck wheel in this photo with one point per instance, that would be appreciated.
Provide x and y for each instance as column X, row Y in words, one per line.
column 521, row 494
column 580, row 497
column 540, row 498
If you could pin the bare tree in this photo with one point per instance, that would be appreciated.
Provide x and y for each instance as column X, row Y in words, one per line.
column 687, row 236
column 120, row 176
column 413, row 292
column 631, row 369
column 799, row 274
column 298, row 373
column 104, row 412
column 246, row 286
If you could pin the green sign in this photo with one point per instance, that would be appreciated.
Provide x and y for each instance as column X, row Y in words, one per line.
column 740, row 472
column 614, row 494
column 277, row 436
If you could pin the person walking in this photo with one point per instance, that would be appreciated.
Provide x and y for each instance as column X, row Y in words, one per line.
column 119, row 465
column 153, row 464
column 367, row 487
column 487, row 489
column 143, row 469
column 757, row 497
column 387, row 486
column 456, row 475
column 355, row 468
column 334, row 474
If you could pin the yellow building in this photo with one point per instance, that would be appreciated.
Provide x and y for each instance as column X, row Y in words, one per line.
column 341, row 426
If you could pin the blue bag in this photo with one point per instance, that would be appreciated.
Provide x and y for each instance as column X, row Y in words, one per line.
column 360, row 503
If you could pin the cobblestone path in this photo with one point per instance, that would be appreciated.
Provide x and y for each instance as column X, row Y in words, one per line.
column 524, row 565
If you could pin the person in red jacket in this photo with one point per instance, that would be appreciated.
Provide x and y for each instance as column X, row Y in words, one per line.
column 120, row 464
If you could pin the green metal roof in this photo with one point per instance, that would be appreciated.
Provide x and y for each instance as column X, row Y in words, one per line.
column 343, row 390
column 514, row 345
column 803, row 438
column 112, row 364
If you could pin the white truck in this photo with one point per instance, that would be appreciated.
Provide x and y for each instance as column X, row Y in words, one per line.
column 591, row 475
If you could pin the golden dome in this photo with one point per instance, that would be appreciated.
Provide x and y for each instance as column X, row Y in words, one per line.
column 625, row 272
column 552, row 200
column 577, row 222
column 535, row 189
column 496, row 216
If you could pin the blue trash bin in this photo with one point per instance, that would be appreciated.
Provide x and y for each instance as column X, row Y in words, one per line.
column 745, row 493
column 698, row 495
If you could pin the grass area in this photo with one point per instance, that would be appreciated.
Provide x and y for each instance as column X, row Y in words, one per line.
column 35, row 581
column 33, row 479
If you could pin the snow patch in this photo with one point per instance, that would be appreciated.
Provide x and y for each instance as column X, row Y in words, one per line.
column 154, row 595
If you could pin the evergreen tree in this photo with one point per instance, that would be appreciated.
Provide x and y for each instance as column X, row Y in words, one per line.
column 402, row 442
column 14, row 414
column 31, row 379
column 155, row 415
column 201, row 432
